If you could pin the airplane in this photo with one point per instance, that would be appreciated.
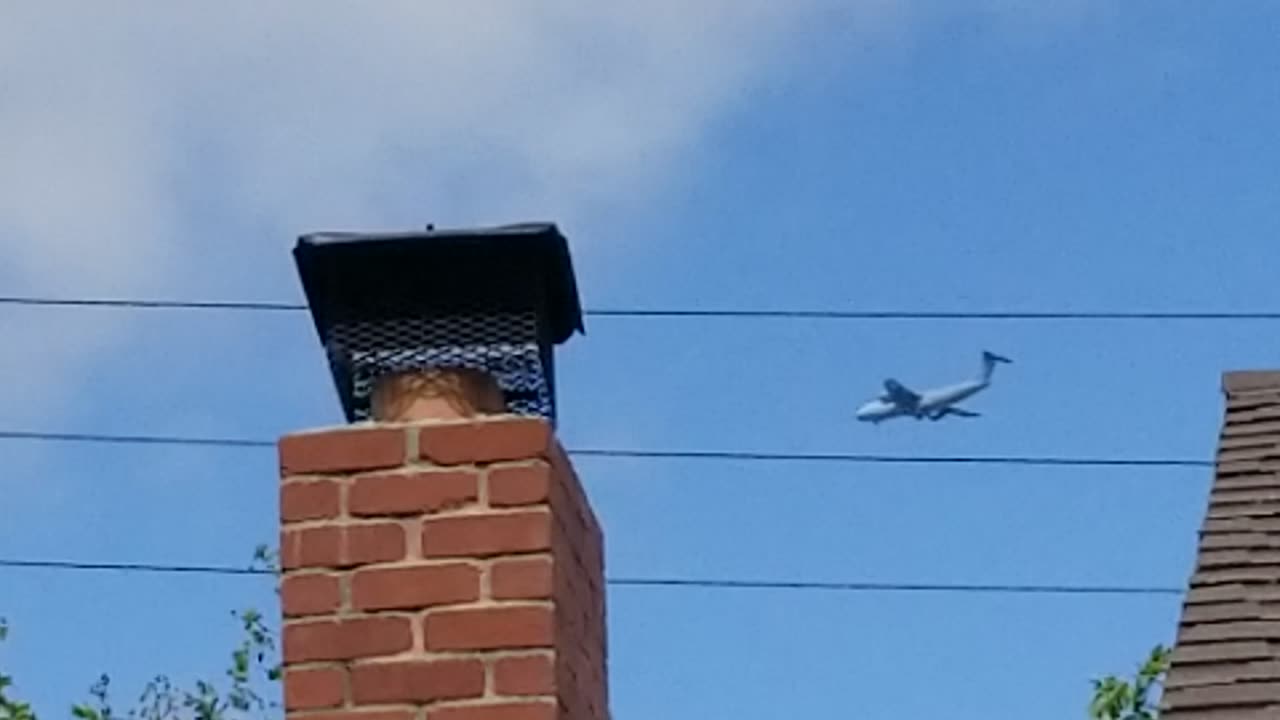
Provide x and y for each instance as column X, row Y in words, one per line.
column 934, row 404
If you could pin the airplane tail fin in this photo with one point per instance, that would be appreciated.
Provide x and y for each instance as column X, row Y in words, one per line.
column 989, row 360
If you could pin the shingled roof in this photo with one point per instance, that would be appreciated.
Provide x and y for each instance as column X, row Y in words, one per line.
column 1226, row 660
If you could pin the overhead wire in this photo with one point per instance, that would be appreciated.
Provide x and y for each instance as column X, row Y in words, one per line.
column 706, row 583
column 727, row 455
column 652, row 454
column 758, row 314
column 753, row 456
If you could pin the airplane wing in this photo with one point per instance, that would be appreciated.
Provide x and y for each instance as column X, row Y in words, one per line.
column 898, row 394
column 960, row 412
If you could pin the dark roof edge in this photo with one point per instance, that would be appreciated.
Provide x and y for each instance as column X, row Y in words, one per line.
column 1237, row 382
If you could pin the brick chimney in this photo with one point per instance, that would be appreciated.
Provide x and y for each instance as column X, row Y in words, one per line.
column 440, row 560
column 446, row 568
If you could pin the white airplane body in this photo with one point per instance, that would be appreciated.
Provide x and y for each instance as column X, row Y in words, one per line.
column 934, row 404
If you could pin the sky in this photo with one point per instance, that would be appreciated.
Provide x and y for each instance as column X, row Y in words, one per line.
column 724, row 154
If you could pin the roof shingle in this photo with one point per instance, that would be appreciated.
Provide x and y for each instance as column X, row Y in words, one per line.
column 1226, row 660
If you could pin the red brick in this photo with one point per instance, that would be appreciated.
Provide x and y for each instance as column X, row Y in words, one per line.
column 355, row 714
column 415, row 587
column 342, row 546
column 412, row 494
column 499, row 711
column 524, row 675
column 523, row 579
column 313, row 688
column 312, row 547
column 483, row 535
column 484, row 441
column 309, row 595
column 416, row 682
column 519, row 485
column 494, row 628
column 346, row 639
column 344, row 450
column 309, row 500
column 383, row 542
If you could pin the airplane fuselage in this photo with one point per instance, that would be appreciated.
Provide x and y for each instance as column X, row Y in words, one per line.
column 934, row 404
column 880, row 410
column 939, row 398
column 931, row 401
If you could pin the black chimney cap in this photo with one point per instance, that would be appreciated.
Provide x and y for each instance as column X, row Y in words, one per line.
column 495, row 298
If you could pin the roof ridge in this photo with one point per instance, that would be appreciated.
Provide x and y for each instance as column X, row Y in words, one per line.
column 1242, row 382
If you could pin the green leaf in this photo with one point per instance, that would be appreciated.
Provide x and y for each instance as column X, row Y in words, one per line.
column 239, row 670
column 1117, row 699
column 265, row 558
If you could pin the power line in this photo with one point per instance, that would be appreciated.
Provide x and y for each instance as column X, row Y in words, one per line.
column 930, row 315
column 266, row 306
column 904, row 587
column 743, row 456
column 893, row 459
column 1004, row 589
column 107, row 439
column 151, row 304
column 132, row 567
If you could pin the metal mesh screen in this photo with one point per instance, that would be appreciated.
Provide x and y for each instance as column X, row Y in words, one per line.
column 503, row 344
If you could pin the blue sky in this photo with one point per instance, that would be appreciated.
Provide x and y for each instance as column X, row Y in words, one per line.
column 879, row 155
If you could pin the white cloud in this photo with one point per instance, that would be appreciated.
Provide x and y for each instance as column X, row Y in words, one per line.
column 124, row 126
column 123, row 122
